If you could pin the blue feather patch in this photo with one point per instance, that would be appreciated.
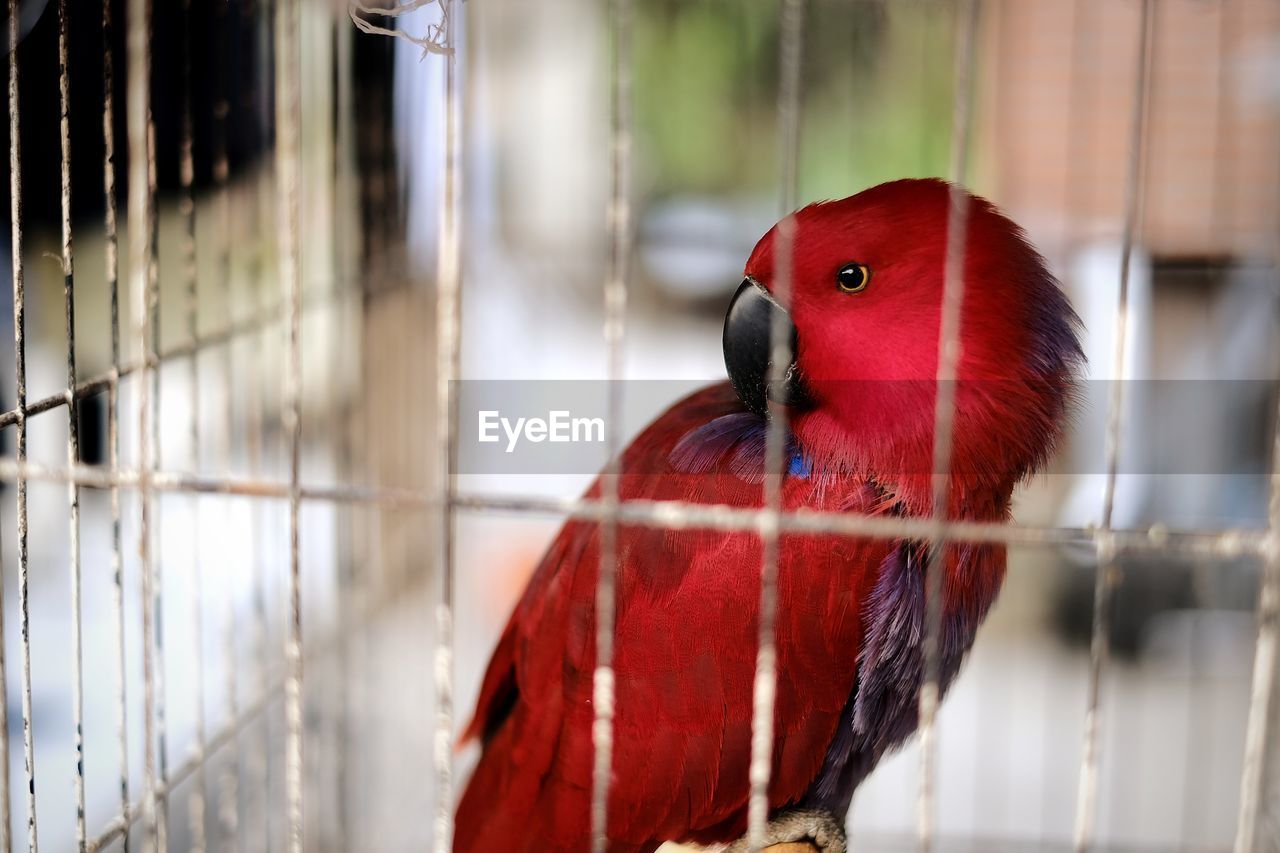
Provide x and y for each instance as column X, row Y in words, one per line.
column 737, row 442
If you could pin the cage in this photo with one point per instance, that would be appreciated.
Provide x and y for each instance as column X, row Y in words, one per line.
column 258, row 538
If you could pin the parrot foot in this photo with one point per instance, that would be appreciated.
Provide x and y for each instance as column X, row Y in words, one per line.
column 820, row 829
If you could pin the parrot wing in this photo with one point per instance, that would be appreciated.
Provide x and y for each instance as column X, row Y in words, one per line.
column 685, row 653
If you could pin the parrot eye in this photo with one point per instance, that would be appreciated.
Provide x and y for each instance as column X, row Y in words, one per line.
column 853, row 278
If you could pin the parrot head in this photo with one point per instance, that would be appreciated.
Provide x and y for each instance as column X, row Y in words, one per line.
column 863, row 316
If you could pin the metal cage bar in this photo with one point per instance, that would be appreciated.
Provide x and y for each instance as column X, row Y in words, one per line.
column 618, row 220
column 1105, row 579
column 20, row 379
column 676, row 515
column 228, row 789
column 190, row 281
column 949, row 347
column 765, row 683
column 288, row 106
column 112, row 259
column 448, row 306
column 141, row 200
column 73, row 431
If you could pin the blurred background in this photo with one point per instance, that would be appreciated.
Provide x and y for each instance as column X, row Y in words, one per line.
column 1050, row 141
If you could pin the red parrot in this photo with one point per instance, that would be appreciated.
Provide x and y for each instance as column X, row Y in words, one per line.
column 867, row 280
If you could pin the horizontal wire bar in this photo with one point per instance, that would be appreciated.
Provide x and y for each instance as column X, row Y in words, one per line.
column 105, row 380
column 678, row 515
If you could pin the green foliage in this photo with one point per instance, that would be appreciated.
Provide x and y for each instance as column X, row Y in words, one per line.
column 876, row 99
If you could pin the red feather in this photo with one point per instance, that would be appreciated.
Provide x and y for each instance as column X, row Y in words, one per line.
column 684, row 663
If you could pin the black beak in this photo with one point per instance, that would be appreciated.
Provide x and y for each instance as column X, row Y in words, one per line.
column 747, row 329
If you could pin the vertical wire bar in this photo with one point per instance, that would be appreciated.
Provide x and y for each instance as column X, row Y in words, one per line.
column 157, row 564
column 187, row 211
column 6, row 831
column 949, row 350
column 261, row 758
column 615, row 305
column 1106, row 577
column 229, row 805
column 1266, row 662
column 344, row 254
column 111, row 239
column 765, row 683
column 288, row 118
column 20, row 381
column 448, row 344
column 255, row 394
column 1259, row 731
column 140, row 238
column 73, row 433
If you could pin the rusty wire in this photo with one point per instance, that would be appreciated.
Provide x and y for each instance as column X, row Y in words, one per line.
column 73, row 432
column 20, row 381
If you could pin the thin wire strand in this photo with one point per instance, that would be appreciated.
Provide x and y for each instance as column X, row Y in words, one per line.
column 156, row 526
column 344, row 254
column 615, row 305
column 949, row 351
column 261, row 764
column 448, row 342
column 111, row 239
column 6, row 832
column 187, row 213
column 1259, row 743
column 140, row 254
column 228, row 789
column 73, row 432
column 20, row 378
column 1266, row 662
column 1106, row 577
column 765, row 684
column 288, row 154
